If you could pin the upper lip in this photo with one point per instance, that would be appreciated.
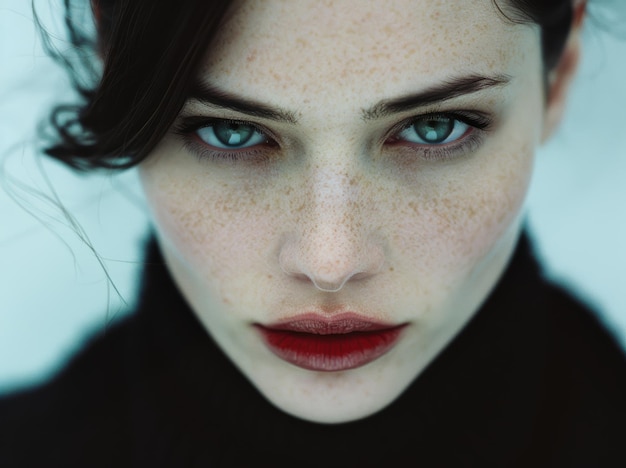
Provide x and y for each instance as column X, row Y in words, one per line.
column 314, row 323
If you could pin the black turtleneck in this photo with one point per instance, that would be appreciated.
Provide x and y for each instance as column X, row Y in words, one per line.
column 533, row 380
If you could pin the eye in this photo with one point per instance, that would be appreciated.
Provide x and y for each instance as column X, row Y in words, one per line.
column 434, row 130
column 231, row 135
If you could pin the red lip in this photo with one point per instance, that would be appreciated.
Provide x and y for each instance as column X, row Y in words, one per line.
column 319, row 343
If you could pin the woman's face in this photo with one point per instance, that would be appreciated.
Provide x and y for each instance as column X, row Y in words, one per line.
column 344, row 188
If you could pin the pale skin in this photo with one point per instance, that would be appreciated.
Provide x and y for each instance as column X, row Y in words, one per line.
column 340, row 211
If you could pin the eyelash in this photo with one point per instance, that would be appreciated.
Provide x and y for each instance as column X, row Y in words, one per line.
column 478, row 123
column 188, row 127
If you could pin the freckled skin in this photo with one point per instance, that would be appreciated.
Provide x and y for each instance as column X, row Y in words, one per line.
column 339, row 217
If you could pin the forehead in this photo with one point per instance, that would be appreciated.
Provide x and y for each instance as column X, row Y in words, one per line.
column 318, row 48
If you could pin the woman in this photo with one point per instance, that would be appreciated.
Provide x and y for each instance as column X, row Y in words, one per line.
column 338, row 274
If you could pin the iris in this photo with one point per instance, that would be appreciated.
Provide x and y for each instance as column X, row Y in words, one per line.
column 434, row 129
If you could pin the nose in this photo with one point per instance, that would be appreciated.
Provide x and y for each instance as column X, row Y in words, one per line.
column 334, row 240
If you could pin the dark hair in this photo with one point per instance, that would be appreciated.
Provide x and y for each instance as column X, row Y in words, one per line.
column 151, row 50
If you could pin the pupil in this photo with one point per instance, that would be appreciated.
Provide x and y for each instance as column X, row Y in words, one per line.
column 232, row 134
column 434, row 130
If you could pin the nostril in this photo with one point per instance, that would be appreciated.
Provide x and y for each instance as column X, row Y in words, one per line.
column 327, row 276
column 334, row 286
column 327, row 287
column 323, row 282
column 358, row 276
column 331, row 267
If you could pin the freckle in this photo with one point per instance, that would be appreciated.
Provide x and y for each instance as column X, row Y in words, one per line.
column 270, row 276
column 391, row 269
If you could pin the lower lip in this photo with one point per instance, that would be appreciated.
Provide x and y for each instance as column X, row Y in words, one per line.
column 330, row 352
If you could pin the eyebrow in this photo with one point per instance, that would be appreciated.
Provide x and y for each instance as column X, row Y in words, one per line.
column 445, row 91
column 450, row 89
column 212, row 96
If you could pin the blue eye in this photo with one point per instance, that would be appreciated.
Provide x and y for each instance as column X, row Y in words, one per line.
column 434, row 130
column 231, row 135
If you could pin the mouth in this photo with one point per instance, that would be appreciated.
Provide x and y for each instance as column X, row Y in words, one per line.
column 314, row 342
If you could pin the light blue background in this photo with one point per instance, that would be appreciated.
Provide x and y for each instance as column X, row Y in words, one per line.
column 53, row 292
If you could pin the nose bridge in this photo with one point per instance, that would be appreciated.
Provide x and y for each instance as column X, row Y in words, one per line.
column 332, row 234
column 332, row 242
column 332, row 192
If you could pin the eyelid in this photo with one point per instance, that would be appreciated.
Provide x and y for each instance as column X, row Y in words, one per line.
column 189, row 124
column 476, row 119
column 479, row 121
column 187, row 127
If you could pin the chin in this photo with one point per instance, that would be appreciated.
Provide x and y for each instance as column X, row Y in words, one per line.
column 335, row 409
column 334, row 397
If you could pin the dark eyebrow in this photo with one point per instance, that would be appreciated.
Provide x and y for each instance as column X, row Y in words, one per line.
column 442, row 92
column 213, row 96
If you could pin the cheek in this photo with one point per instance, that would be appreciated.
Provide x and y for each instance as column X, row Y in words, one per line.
column 212, row 232
column 453, row 224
